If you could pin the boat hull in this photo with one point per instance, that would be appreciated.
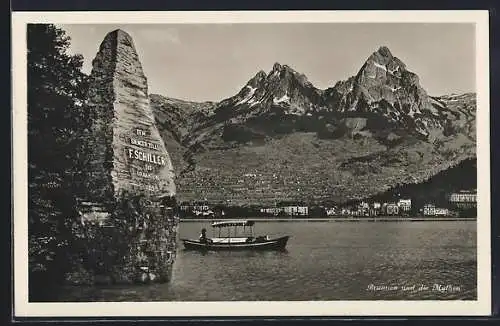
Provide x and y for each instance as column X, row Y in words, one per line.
column 271, row 244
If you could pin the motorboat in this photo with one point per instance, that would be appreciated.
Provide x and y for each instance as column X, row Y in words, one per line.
column 235, row 235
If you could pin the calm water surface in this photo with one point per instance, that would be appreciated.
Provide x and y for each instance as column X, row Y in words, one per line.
column 323, row 261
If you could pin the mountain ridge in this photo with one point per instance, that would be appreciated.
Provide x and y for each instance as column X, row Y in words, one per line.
column 388, row 127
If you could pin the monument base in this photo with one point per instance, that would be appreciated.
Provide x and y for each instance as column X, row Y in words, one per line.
column 131, row 241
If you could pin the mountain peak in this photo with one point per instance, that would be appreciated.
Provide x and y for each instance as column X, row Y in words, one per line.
column 259, row 75
column 257, row 79
column 382, row 56
column 384, row 86
column 384, row 51
column 277, row 66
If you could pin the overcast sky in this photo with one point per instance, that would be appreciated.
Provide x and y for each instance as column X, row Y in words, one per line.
column 212, row 62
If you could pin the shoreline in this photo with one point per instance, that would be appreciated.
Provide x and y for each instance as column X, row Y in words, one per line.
column 341, row 219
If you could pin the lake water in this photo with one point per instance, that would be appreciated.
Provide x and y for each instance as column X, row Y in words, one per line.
column 323, row 261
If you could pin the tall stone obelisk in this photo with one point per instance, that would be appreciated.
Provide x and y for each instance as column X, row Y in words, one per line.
column 127, row 228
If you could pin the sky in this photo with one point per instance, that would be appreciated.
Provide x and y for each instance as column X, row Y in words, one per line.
column 210, row 62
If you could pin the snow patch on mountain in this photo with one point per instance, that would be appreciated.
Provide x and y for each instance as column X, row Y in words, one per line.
column 248, row 96
column 253, row 102
column 393, row 89
column 284, row 98
column 435, row 102
column 393, row 70
column 414, row 111
column 380, row 66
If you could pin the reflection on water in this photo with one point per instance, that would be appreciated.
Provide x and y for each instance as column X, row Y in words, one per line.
column 323, row 261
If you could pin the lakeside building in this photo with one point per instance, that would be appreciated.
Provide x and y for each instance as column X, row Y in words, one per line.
column 198, row 209
column 346, row 211
column 272, row 210
column 201, row 207
column 363, row 206
column 375, row 209
column 404, row 205
column 361, row 209
column 296, row 210
column 429, row 210
column 196, row 206
column 185, row 206
column 464, row 199
column 391, row 208
column 439, row 211
column 332, row 211
column 432, row 210
column 291, row 210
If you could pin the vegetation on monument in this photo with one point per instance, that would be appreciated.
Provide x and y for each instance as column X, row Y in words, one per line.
column 56, row 92
column 115, row 251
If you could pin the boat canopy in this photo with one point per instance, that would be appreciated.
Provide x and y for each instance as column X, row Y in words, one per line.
column 232, row 223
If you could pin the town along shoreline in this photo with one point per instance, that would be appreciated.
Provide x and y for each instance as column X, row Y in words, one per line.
column 345, row 219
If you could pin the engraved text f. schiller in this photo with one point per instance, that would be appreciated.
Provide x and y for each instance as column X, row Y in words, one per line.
column 146, row 157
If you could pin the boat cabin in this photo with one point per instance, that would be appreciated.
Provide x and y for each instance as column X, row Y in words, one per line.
column 239, row 231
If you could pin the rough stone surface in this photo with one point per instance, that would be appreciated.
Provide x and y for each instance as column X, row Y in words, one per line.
column 127, row 230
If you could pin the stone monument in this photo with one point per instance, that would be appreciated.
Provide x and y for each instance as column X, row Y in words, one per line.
column 127, row 226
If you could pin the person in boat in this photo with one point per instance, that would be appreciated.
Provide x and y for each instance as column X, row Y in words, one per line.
column 203, row 236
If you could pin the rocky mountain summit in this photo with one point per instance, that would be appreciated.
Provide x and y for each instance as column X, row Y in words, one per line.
column 361, row 136
column 385, row 86
column 282, row 88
